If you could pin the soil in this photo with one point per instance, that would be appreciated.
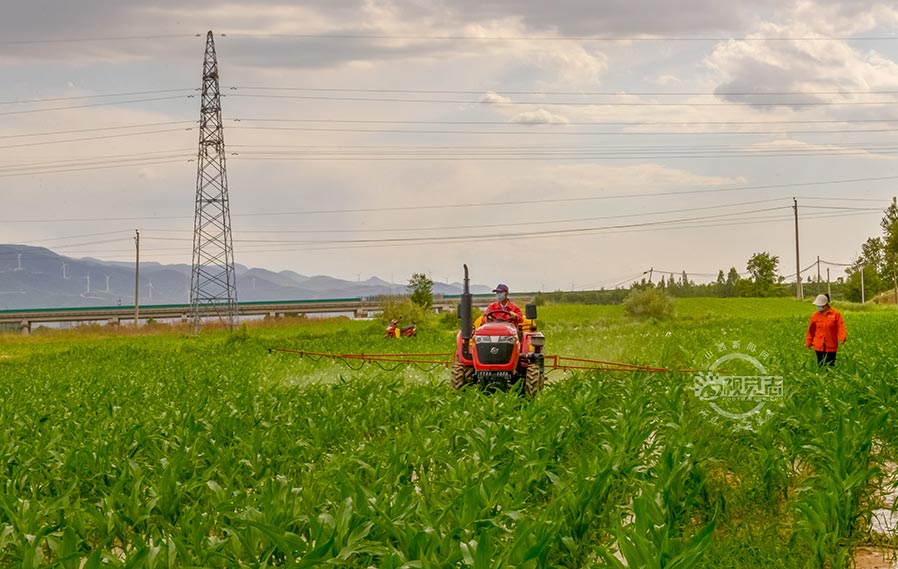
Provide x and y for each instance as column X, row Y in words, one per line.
column 875, row 558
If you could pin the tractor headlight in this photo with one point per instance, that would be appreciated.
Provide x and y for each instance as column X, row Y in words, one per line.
column 537, row 340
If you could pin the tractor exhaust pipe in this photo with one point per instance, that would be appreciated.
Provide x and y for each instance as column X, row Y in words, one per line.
column 465, row 308
column 465, row 313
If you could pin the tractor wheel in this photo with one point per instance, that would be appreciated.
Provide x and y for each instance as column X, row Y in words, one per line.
column 462, row 375
column 534, row 380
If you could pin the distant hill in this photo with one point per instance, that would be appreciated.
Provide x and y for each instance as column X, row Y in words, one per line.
column 36, row 277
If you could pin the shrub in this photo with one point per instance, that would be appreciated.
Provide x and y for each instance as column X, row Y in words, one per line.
column 402, row 309
column 649, row 303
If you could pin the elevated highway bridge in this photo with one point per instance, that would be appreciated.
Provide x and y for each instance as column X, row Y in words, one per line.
column 24, row 320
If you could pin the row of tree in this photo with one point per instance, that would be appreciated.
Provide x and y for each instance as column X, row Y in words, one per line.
column 877, row 264
column 874, row 271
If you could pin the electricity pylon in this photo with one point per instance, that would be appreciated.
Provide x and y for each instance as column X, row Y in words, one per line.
column 213, row 283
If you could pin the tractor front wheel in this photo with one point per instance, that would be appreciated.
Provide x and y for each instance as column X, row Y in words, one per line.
column 462, row 375
column 533, row 380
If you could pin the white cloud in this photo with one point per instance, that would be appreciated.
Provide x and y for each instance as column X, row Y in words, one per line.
column 807, row 65
column 788, row 146
column 539, row 116
column 494, row 98
column 668, row 80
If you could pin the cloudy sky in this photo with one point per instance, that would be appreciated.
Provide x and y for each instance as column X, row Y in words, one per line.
column 549, row 145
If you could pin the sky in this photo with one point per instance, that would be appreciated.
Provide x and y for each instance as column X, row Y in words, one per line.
column 563, row 145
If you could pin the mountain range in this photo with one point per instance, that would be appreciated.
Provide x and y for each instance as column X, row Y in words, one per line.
column 37, row 277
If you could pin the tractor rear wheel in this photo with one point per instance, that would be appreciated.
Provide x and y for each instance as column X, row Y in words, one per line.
column 533, row 380
column 462, row 375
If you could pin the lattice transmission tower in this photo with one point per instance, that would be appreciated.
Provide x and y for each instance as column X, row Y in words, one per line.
column 213, row 283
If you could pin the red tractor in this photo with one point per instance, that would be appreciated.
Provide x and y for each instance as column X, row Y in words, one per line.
column 498, row 353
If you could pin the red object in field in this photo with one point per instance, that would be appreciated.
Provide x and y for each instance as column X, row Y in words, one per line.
column 393, row 331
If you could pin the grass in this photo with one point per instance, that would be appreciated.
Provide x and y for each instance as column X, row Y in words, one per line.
column 168, row 450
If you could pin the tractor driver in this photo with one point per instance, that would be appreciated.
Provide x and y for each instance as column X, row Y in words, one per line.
column 502, row 303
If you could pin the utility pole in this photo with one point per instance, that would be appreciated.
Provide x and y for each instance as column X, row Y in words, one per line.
column 136, row 277
column 829, row 290
column 213, row 282
column 863, row 298
column 651, row 271
column 19, row 268
column 799, row 294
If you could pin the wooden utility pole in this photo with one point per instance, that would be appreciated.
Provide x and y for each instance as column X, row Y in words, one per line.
column 829, row 290
column 799, row 294
column 136, row 277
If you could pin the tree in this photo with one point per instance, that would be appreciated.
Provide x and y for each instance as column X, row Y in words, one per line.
column 732, row 283
column 762, row 267
column 720, row 284
column 421, row 288
column 889, row 226
column 875, row 267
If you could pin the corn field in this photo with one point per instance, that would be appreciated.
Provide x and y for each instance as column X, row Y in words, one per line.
column 174, row 451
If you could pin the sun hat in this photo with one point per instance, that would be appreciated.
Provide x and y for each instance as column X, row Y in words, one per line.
column 501, row 288
column 821, row 300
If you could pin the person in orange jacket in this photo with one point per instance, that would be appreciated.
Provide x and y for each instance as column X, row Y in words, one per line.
column 502, row 303
column 826, row 331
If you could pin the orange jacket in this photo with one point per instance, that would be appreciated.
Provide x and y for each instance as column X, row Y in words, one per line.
column 826, row 331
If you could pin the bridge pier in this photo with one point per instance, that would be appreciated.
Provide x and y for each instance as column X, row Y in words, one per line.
column 25, row 327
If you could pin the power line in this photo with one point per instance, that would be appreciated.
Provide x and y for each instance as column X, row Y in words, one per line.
column 546, row 233
column 841, row 199
column 561, row 124
column 81, row 236
column 497, row 148
column 98, row 129
column 104, row 104
column 564, row 133
column 519, row 156
column 99, row 39
column 492, row 225
column 149, row 231
column 92, row 138
column 710, row 224
column 560, row 37
column 98, row 167
column 480, row 204
column 564, row 104
column 95, row 96
column 562, row 93
column 479, row 239
column 155, row 154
